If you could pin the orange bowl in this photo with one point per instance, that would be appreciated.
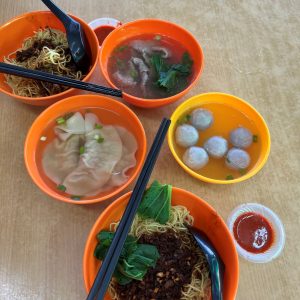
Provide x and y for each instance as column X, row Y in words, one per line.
column 205, row 218
column 116, row 113
column 152, row 26
column 221, row 127
column 12, row 35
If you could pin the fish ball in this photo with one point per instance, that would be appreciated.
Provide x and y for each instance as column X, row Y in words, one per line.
column 186, row 135
column 195, row 158
column 216, row 146
column 237, row 159
column 241, row 137
column 201, row 118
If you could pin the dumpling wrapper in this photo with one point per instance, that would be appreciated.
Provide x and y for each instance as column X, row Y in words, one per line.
column 73, row 125
column 60, row 158
column 96, row 164
column 90, row 121
column 127, row 160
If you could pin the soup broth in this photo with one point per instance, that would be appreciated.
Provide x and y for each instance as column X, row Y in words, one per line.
column 106, row 117
column 225, row 120
column 133, row 68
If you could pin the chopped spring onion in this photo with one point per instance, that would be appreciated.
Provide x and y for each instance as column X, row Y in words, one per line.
column 157, row 37
column 61, row 188
column 242, row 171
column 255, row 138
column 98, row 126
column 81, row 150
column 229, row 177
column 184, row 119
column 75, row 197
column 98, row 138
column 60, row 121
column 43, row 138
column 121, row 48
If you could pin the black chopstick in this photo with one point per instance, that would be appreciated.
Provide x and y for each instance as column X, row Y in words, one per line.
column 111, row 259
column 61, row 80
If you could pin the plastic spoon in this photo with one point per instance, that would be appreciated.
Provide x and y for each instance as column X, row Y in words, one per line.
column 75, row 35
column 216, row 265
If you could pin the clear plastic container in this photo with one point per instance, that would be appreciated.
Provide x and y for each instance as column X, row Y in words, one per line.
column 276, row 224
column 103, row 26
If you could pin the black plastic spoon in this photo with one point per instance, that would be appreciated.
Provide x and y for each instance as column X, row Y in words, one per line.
column 75, row 35
column 216, row 265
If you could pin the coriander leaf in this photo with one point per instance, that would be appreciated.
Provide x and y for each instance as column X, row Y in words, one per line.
column 168, row 75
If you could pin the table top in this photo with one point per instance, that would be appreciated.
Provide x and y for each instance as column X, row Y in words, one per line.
column 251, row 50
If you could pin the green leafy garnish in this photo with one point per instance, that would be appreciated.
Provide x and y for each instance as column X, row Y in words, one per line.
column 156, row 202
column 134, row 74
column 134, row 261
column 74, row 197
column 99, row 138
column 60, row 121
column 61, row 188
column 121, row 48
column 184, row 119
column 170, row 76
column 157, row 37
column 81, row 150
column 98, row 126
column 242, row 171
column 120, row 64
column 229, row 177
column 255, row 138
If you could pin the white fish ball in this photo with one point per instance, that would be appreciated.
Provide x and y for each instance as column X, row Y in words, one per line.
column 216, row 146
column 237, row 159
column 186, row 135
column 195, row 158
column 201, row 118
column 241, row 137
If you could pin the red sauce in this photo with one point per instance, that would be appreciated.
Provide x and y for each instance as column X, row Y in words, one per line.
column 102, row 32
column 253, row 232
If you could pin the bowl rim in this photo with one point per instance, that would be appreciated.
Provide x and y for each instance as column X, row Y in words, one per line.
column 30, row 162
column 116, row 203
column 219, row 181
column 66, row 92
column 167, row 100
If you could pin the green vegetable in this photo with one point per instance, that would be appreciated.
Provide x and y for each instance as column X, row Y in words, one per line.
column 170, row 76
column 60, row 121
column 242, row 171
column 121, row 64
column 136, row 265
column 134, row 74
column 255, row 138
column 134, row 261
column 74, row 197
column 156, row 202
column 157, row 37
column 184, row 119
column 99, row 138
column 98, row 126
column 121, row 48
column 229, row 177
column 61, row 188
column 81, row 150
